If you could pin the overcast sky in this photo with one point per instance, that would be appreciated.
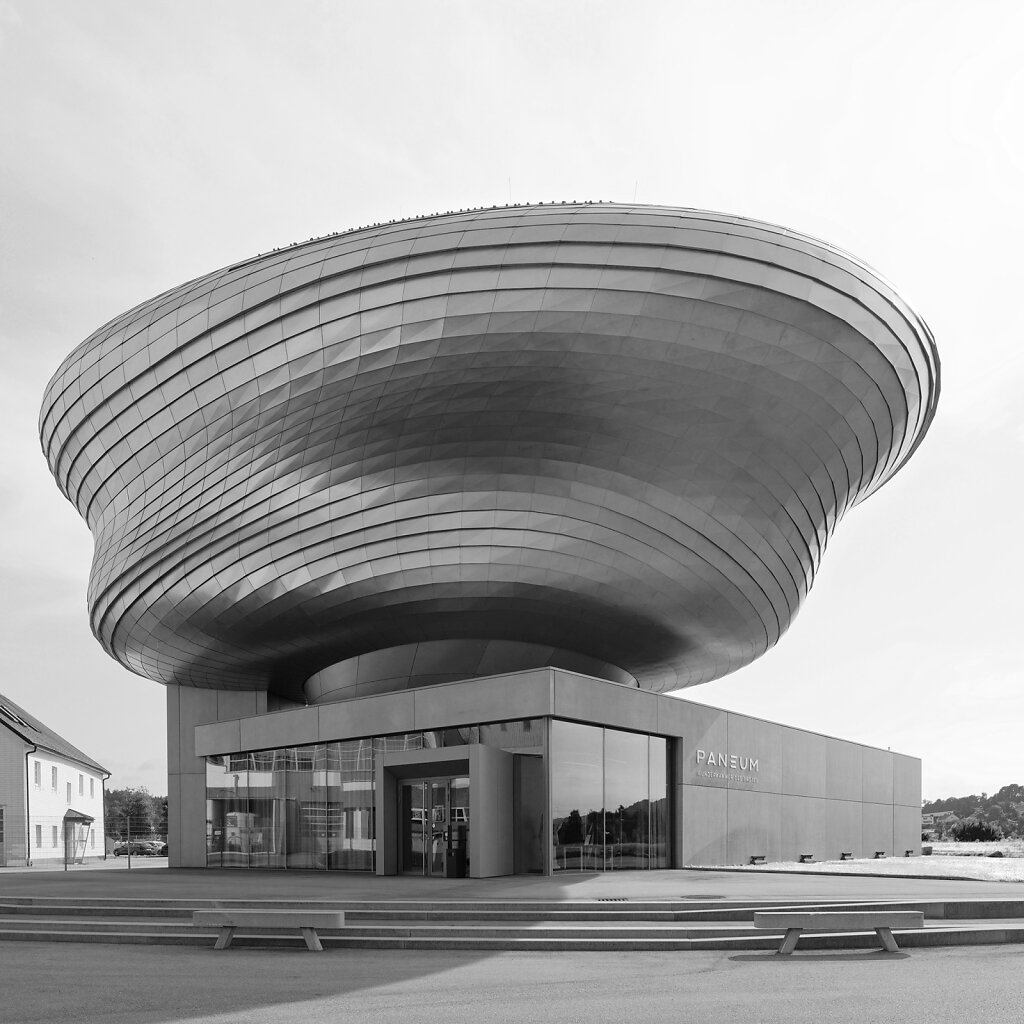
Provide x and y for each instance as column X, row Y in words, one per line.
column 144, row 144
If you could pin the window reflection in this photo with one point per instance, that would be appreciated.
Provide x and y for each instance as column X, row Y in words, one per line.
column 313, row 807
column 609, row 799
column 301, row 807
column 577, row 796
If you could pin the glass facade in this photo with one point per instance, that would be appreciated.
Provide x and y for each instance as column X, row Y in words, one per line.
column 609, row 799
column 314, row 807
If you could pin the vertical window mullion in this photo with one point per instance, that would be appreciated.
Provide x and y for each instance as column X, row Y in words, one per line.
column 604, row 799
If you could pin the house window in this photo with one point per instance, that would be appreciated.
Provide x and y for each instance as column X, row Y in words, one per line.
column 53, row 779
column 53, row 829
column 81, row 784
column 92, row 788
column 39, row 837
column 38, row 769
column 69, row 792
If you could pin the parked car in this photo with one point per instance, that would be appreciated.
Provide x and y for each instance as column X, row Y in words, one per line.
column 137, row 849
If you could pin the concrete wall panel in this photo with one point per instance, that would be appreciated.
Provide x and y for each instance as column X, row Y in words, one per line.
column 619, row 707
column 755, row 825
column 804, row 827
column 281, row 729
column 192, row 800
column 486, row 700
column 878, row 768
column 195, row 707
column 877, row 829
column 368, row 716
column 218, row 738
column 173, row 730
column 906, row 780
column 761, row 742
column 843, row 770
column 674, row 716
column 906, row 827
column 844, row 828
column 707, row 730
column 174, row 820
column 240, row 703
column 804, row 763
column 705, row 820
column 492, row 850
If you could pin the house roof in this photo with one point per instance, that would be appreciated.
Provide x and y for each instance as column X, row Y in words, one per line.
column 29, row 728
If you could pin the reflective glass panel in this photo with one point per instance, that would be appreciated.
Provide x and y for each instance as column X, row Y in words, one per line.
column 577, row 797
column 659, row 803
column 626, row 798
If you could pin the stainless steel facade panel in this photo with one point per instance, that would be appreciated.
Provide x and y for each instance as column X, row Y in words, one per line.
column 605, row 438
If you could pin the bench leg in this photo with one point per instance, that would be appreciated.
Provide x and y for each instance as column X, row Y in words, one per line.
column 227, row 933
column 886, row 939
column 789, row 941
column 312, row 939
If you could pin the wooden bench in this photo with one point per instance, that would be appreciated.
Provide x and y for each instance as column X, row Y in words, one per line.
column 806, row 858
column 846, row 856
column 882, row 921
column 757, row 858
column 306, row 921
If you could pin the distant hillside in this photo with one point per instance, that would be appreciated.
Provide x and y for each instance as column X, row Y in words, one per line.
column 1005, row 809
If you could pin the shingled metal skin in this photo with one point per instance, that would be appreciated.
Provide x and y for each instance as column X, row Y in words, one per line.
column 607, row 437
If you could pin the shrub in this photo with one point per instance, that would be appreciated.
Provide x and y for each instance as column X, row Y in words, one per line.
column 973, row 830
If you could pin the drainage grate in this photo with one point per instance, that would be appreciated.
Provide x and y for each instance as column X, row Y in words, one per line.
column 699, row 897
column 612, row 899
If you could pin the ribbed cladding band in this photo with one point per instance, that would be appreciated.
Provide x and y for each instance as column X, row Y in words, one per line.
column 622, row 432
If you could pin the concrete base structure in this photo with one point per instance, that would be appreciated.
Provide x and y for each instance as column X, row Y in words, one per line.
column 254, row 788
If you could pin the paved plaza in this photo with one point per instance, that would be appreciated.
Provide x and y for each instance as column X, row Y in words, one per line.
column 150, row 879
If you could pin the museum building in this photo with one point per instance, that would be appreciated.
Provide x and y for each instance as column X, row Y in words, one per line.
column 418, row 523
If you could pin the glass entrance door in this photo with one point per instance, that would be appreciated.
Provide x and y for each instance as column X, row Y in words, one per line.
column 434, row 832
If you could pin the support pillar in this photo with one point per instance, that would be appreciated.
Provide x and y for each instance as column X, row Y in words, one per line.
column 187, row 707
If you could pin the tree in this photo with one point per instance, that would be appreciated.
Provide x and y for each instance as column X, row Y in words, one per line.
column 570, row 830
column 122, row 805
column 974, row 830
column 1004, row 808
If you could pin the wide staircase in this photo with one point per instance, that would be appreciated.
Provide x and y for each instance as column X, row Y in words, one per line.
column 611, row 924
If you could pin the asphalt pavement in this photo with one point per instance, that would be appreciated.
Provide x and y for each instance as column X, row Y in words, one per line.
column 95, row 984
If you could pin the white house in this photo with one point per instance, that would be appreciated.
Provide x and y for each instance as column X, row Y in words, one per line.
column 51, row 794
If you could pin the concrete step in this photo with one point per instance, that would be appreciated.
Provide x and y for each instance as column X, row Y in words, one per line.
column 476, row 911
column 529, row 924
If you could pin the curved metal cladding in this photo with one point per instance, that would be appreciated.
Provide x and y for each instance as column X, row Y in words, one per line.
column 613, row 438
